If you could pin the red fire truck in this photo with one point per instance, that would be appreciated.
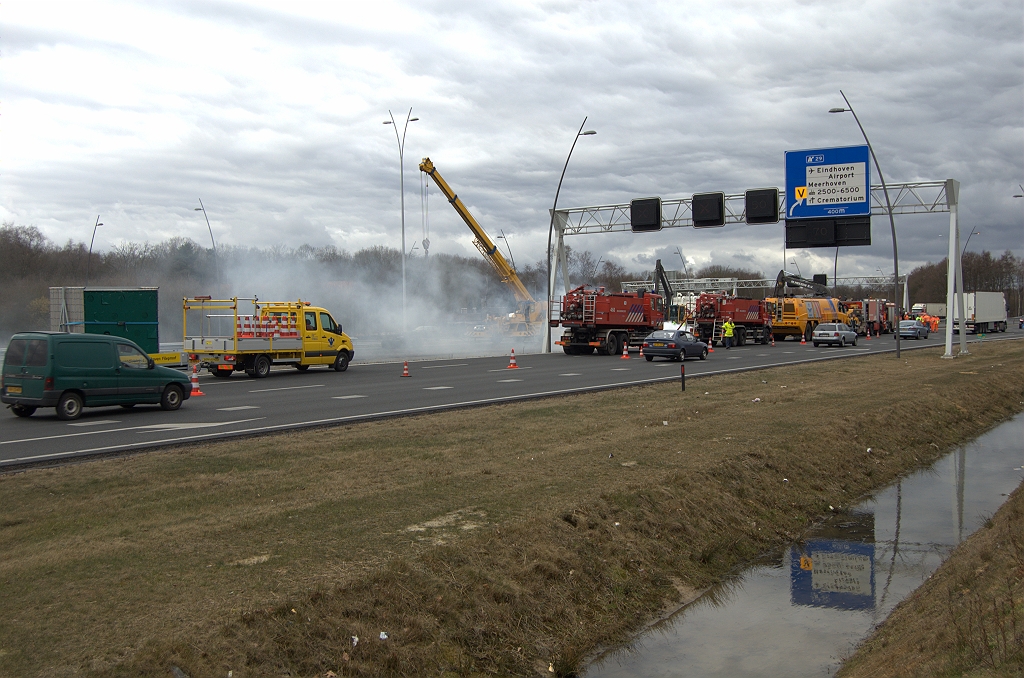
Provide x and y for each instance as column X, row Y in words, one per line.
column 752, row 317
column 595, row 320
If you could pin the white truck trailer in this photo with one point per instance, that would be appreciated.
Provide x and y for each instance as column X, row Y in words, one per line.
column 930, row 308
column 985, row 312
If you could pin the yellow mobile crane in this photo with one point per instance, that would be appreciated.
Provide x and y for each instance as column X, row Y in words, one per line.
column 528, row 317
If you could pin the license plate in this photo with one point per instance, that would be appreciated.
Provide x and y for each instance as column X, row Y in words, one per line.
column 13, row 390
column 658, row 343
column 225, row 367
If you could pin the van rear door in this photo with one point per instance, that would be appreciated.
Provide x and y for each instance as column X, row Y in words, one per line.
column 25, row 367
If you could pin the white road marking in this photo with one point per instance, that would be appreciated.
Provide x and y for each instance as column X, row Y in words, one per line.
column 437, row 367
column 762, row 355
column 571, row 374
column 96, row 423
column 505, row 368
column 349, row 397
column 620, row 369
column 507, row 381
column 109, row 430
column 436, row 388
column 789, row 351
column 734, row 357
column 285, row 388
column 182, row 426
column 240, row 407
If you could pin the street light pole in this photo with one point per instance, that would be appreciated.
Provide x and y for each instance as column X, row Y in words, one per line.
column 551, row 227
column 892, row 223
column 88, row 262
column 401, row 164
column 216, row 267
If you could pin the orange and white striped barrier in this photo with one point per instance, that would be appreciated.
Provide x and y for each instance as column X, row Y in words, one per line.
column 512, row 362
column 405, row 369
column 625, row 350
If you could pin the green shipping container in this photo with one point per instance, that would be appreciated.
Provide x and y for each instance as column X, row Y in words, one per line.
column 129, row 313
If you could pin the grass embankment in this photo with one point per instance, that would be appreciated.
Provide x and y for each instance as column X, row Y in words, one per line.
column 497, row 540
column 966, row 620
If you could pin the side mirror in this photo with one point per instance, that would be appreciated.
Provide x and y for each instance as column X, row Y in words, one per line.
column 150, row 364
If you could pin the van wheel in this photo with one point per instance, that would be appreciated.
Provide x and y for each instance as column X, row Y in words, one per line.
column 69, row 407
column 261, row 366
column 704, row 354
column 23, row 410
column 341, row 362
column 302, row 368
column 172, row 397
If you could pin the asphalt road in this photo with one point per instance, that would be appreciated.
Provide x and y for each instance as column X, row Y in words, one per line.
column 289, row 399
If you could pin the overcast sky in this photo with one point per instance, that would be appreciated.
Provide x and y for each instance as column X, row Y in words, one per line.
column 271, row 113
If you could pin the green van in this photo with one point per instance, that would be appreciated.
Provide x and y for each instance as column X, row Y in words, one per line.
column 72, row 371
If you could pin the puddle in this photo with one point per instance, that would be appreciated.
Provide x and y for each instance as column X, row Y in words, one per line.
column 800, row 612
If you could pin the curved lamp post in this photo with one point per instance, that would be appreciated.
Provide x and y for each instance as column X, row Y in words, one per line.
column 551, row 227
column 888, row 206
column 88, row 262
column 401, row 164
column 216, row 268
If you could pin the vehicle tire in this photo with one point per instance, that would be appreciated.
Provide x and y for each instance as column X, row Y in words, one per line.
column 648, row 358
column 704, row 354
column 127, row 406
column 808, row 332
column 23, row 410
column 816, row 344
column 567, row 350
column 261, row 366
column 302, row 368
column 171, row 398
column 842, row 342
column 221, row 374
column 613, row 344
column 855, row 341
column 341, row 362
column 69, row 407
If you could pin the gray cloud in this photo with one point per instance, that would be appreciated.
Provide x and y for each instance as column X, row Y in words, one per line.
column 274, row 118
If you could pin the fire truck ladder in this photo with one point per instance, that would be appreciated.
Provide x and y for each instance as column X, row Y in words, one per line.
column 589, row 308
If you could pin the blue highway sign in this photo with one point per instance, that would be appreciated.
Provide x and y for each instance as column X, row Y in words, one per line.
column 828, row 182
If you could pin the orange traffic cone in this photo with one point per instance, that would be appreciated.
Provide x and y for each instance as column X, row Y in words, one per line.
column 641, row 350
column 625, row 350
column 711, row 345
column 195, row 382
column 773, row 338
column 869, row 334
column 405, row 369
column 512, row 362
column 803, row 340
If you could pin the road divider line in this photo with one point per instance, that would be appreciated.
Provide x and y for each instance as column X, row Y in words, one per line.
column 507, row 381
column 236, row 409
column 91, row 433
column 285, row 388
column 349, row 397
column 95, row 423
column 438, row 367
column 437, row 388
column 505, row 368
column 571, row 374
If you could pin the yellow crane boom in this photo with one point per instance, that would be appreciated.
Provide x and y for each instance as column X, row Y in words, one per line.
column 481, row 239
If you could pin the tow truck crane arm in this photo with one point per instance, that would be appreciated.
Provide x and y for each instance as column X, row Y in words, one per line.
column 787, row 278
column 481, row 239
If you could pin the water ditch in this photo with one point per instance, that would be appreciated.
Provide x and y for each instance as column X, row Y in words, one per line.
column 799, row 612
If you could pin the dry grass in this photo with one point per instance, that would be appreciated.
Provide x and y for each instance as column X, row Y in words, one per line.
column 499, row 540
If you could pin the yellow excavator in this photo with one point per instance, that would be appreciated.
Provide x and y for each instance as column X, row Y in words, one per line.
column 528, row 318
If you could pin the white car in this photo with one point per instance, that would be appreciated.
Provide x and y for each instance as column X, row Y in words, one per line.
column 839, row 334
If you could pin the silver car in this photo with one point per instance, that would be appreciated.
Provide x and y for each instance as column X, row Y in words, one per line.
column 839, row 334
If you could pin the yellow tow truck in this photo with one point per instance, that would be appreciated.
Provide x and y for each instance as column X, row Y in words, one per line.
column 529, row 316
column 219, row 335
